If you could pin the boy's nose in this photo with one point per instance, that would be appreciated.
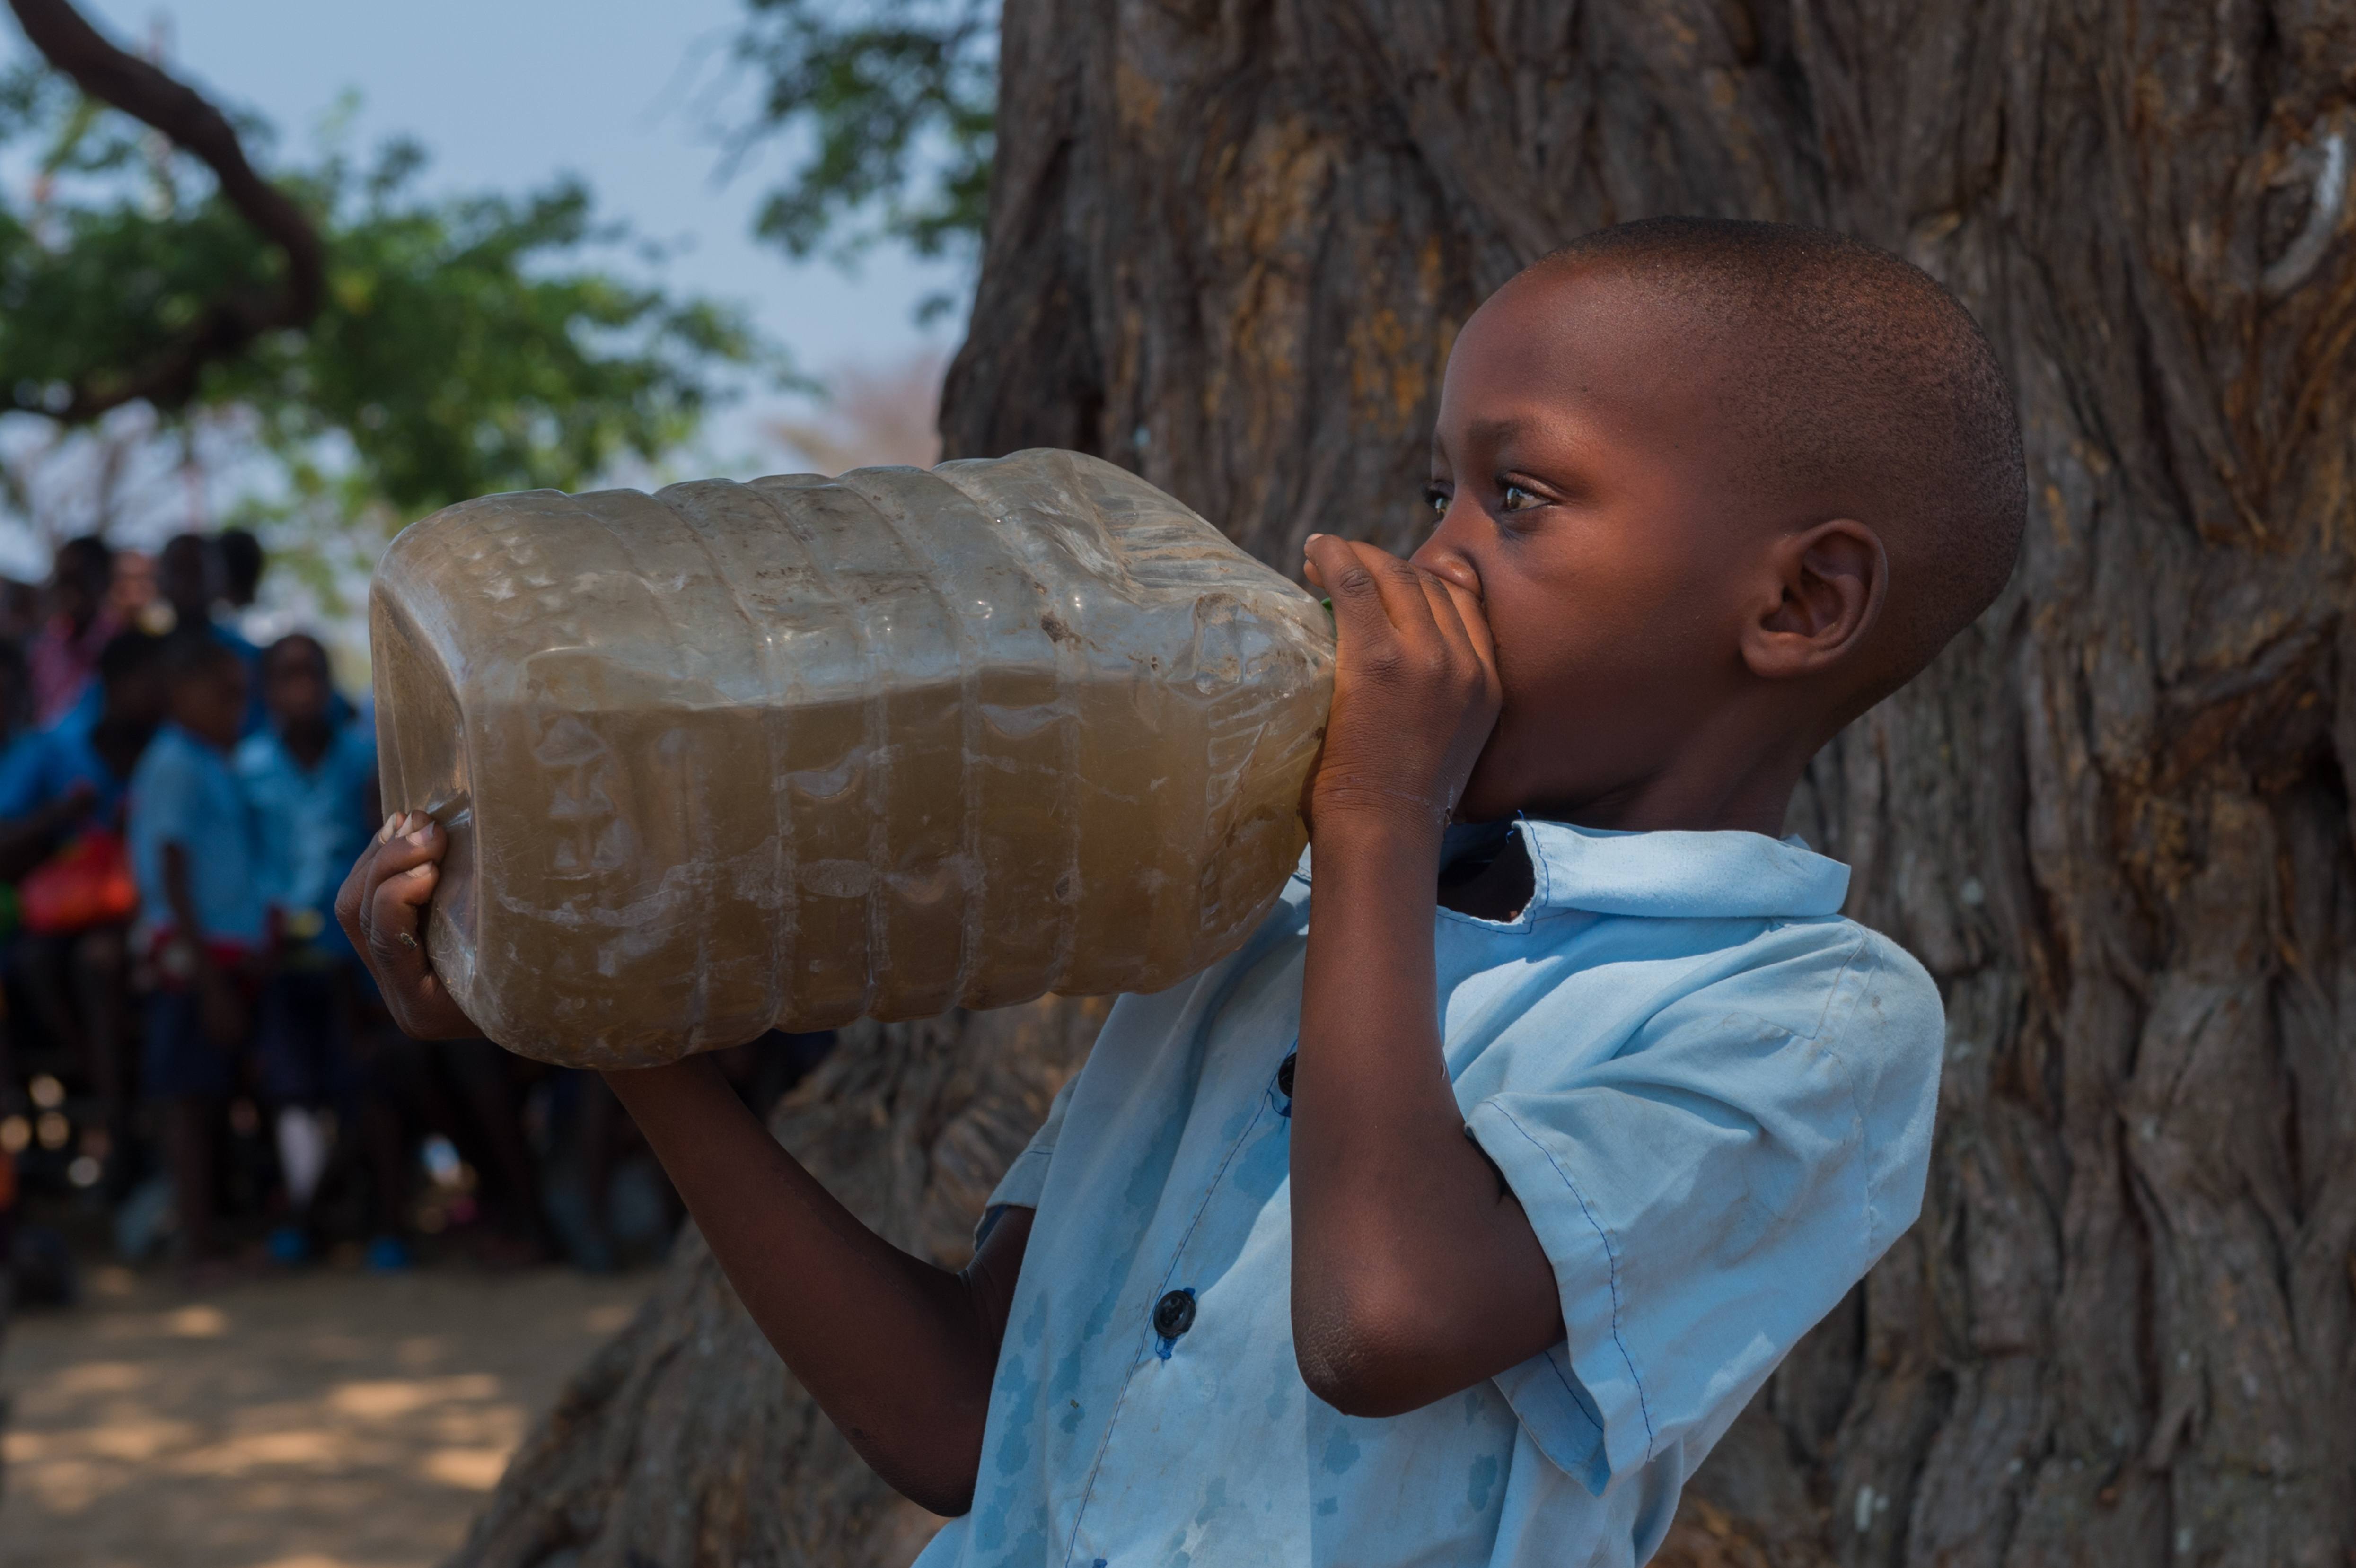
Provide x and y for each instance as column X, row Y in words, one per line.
column 1439, row 556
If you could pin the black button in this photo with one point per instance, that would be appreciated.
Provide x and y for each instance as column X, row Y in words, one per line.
column 1284, row 1075
column 1175, row 1314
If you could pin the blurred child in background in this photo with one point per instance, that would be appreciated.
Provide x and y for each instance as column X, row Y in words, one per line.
column 63, row 790
column 63, row 654
column 193, row 851
column 192, row 574
column 242, row 561
column 310, row 781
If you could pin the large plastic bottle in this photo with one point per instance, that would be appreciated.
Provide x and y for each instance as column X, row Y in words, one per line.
column 791, row 752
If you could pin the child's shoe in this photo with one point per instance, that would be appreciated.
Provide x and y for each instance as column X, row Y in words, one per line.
column 387, row 1255
column 290, row 1245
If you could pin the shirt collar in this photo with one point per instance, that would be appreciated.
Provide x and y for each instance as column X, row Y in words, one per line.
column 1681, row 873
column 1672, row 872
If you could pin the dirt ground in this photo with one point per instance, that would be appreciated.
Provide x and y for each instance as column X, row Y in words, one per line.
column 329, row 1420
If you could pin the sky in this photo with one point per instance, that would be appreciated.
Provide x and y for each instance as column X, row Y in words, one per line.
column 505, row 94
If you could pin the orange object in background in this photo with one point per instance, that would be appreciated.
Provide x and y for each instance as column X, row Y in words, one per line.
column 86, row 883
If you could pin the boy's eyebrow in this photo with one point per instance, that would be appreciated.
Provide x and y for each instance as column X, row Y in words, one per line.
column 1494, row 431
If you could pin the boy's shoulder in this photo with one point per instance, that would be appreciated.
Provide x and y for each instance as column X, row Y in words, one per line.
column 1822, row 978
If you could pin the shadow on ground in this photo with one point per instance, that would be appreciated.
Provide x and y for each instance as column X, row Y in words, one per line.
column 331, row 1420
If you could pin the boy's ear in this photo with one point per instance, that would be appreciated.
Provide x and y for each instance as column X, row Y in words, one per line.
column 1823, row 593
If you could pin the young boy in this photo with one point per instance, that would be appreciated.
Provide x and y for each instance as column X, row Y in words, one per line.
column 1453, row 1219
column 310, row 781
column 193, row 855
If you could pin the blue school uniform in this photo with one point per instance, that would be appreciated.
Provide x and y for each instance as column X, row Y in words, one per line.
column 1711, row 1094
column 184, row 791
column 43, row 764
column 311, row 822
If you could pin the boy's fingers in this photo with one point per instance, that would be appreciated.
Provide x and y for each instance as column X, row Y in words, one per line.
column 1374, row 592
column 351, row 907
column 382, row 908
column 1460, row 612
column 1400, row 586
column 399, row 878
column 396, row 952
column 1334, row 566
column 1442, row 607
column 416, row 841
column 396, row 922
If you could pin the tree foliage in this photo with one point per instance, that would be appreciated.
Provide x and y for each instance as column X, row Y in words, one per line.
column 461, row 346
column 890, row 107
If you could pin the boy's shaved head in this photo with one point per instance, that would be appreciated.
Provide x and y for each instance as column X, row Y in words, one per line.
column 1718, row 487
column 1850, row 383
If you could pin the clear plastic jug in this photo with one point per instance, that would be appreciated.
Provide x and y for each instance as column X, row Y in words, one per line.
column 787, row 753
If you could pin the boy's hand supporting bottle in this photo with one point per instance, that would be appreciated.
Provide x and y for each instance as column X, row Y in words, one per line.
column 900, row 1354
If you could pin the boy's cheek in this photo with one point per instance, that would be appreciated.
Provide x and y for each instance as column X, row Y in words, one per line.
column 1495, row 786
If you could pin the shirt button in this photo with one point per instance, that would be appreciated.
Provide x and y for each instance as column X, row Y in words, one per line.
column 1175, row 1314
column 1284, row 1075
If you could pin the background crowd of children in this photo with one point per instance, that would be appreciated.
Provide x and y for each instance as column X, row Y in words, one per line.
column 189, row 1050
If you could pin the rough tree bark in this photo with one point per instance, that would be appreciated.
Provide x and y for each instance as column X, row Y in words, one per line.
column 1231, row 244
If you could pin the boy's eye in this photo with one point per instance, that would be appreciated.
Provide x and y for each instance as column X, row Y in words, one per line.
column 1520, row 500
column 1436, row 500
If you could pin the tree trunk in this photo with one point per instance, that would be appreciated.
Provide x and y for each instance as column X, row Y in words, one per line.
column 1231, row 244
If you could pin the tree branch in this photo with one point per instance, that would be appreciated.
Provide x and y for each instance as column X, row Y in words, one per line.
column 149, row 95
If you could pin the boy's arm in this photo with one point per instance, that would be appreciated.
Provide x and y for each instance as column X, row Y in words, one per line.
column 1415, row 1272
column 899, row 1354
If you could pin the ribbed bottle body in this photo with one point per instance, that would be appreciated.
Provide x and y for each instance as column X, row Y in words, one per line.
column 801, row 749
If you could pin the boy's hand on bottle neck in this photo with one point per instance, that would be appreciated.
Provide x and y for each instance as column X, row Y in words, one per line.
column 1415, row 698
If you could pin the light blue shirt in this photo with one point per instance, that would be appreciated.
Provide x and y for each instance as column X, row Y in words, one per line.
column 311, row 822
column 1712, row 1096
column 183, row 792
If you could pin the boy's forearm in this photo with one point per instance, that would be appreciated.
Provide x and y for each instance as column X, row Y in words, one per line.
column 179, row 898
column 900, row 1354
column 1414, row 1274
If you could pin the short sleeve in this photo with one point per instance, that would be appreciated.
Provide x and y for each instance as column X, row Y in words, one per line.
column 1712, row 1191
column 164, row 804
column 1027, row 1177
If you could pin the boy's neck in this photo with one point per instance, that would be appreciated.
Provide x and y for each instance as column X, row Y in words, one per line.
column 1735, row 775
column 307, row 740
column 118, row 740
